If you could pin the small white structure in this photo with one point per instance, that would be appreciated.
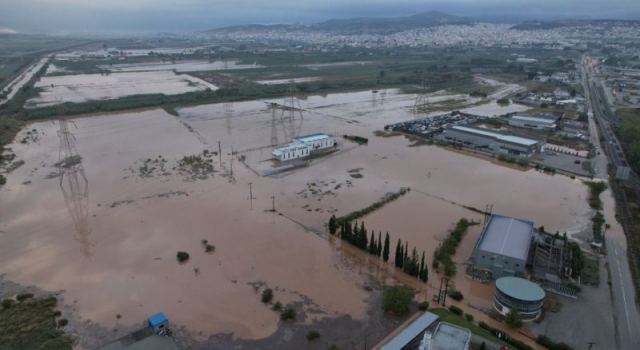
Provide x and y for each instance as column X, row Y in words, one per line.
column 303, row 146
column 532, row 122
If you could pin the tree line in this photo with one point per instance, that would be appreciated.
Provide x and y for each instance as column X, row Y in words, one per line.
column 357, row 236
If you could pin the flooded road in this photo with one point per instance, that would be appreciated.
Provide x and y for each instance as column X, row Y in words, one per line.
column 112, row 248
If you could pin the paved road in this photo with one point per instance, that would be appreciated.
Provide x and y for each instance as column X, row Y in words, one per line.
column 625, row 310
column 23, row 79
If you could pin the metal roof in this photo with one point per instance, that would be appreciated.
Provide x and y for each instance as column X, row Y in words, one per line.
column 520, row 288
column 411, row 331
column 157, row 319
column 289, row 147
column 450, row 337
column 527, row 118
column 502, row 137
column 312, row 137
column 506, row 236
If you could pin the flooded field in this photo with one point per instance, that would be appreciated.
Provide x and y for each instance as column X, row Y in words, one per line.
column 287, row 81
column 90, row 87
column 106, row 229
column 180, row 66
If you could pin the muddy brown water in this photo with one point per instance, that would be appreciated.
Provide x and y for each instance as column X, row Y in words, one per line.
column 110, row 242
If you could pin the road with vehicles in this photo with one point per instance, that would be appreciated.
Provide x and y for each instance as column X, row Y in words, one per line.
column 625, row 310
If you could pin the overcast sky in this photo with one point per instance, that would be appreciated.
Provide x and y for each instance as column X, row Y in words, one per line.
column 60, row 16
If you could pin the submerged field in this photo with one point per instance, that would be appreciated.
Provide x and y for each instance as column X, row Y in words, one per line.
column 106, row 227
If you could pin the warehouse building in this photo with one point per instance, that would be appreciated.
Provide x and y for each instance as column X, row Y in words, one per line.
column 303, row 146
column 535, row 122
column 503, row 248
column 520, row 294
column 492, row 141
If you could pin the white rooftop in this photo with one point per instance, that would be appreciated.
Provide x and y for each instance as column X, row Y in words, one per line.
column 502, row 137
column 411, row 331
column 312, row 137
column 507, row 236
column 527, row 118
column 450, row 337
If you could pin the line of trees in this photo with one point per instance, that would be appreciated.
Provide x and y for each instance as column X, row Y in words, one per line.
column 442, row 255
column 356, row 235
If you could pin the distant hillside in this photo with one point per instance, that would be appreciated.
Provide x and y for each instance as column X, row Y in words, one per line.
column 543, row 25
column 361, row 25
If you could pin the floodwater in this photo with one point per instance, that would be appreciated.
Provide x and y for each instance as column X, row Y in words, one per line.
column 179, row 66
column 90, row 87
column 108, row 236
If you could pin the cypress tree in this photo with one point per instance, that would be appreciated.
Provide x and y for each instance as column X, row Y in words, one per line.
column 333, row 226
column 372, row 244
column 424, row 273
column 398, row 259
column 385, row 250
column 405, row 253
column 379, row 245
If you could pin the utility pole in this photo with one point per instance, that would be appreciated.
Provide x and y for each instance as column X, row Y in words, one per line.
column 590, row 345
column 251, row 194
column 273, row 203
column 220, row 152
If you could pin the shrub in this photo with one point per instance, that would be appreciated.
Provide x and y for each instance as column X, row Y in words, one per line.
column 7, row 303
column 267, row 295
column 313, row 335
column 513, row 319
column 182, row 257
column 288, row 314
column 24, row 296
column 62, row 322
column 424, row 306
column 277, row 306
column 469, row 317
column 209, row 248
column 455, row 310
column 396, row 299
column 455, row 295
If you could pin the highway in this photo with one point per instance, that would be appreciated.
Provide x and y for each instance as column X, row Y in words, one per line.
column 625, row 310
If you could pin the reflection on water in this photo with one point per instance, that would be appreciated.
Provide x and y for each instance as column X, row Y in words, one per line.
column 75, row 187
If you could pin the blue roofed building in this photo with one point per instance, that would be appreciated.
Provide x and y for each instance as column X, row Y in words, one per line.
column 502, row 248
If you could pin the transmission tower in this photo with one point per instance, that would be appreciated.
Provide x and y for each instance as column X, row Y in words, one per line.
column 291, row 112
column 74, row 186
column 228, row 114
column 421, row 104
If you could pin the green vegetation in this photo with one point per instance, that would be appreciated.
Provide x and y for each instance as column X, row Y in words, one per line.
column 628, row 133
column 182, row 257
column 357, row 139
column 384, row 133
column 312, row 335
column 396, row 300
column 503, row 101
column 267, row 295
column 595, row 189
column 447, row 316
column 598, row 223
column 443, row 254
column 277, row 306
column 577, row 259
column 513, row 318
column 197, row 166
column 455, row 310
column 377, row 205
column 590, row 273
column 550, row 344
column 31, row 324
column 515, row 343
column 455, row 295
column 287, row 314
column 423, row 306
column 410, row 263
column 513, row 160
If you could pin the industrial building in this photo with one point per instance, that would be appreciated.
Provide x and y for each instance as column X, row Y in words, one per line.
column 521, row 294
column 502, row 248
column 303, row 146
column 535, row 122
column 492, row 141
column 427, row 333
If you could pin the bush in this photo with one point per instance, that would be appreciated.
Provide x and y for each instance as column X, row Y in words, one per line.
column 182, row 257
column 456, row 295
column 455, row 310
column 7, row 303
column 267, row 295
column 424, row 306
column 24, row 296
column 277, row 306
column 397, row 299
column 550, row 344
column 469, row 317
column 288, row 314
column 513, row 319
column 209, row 248
column 62, row 322
column 312, row 335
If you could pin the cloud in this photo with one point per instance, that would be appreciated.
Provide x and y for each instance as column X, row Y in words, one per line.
column 7, row 31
